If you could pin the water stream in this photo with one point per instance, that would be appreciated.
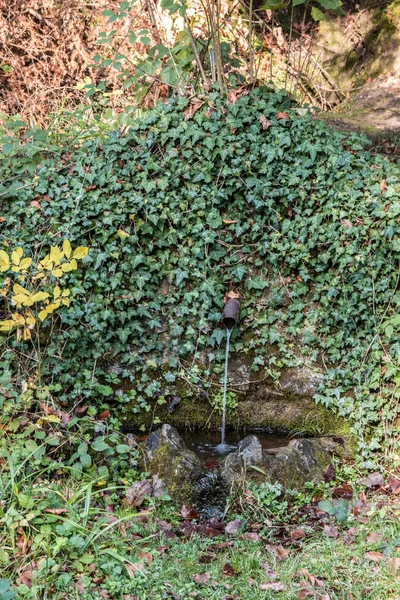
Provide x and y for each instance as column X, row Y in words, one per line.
column 222, row 444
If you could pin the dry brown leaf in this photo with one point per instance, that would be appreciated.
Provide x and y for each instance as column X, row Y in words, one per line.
column 133, row 568
column 188, row 512
column 202, row 578
column 280, row 552
column 228, row 570
column 2, row 219
column 331, row 531
column 264, row 122
column 374, row 556
column 229, row 221
column 104, row 415
column 231, row 294
column 56, row 511
column 393, row 564
column 374, row 537
column 383, row 185
column 282, row 115
column 273, row 586
column 298, row 534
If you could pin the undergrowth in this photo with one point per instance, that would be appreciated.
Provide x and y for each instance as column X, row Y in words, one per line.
column 254, row 196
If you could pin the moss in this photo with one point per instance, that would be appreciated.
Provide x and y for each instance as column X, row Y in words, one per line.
column 169, row 468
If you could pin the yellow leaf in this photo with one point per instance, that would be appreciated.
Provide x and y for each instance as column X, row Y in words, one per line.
column 51, row 419
column 19, row 335
column 46, row 263
column 15, row 269
column 65, row 301
column 67, row 248
column 17, row 255
column 42, row 314
column 39, row 297
column 25, row 263
column 30, row 322
column 52, row 307
column 3, row 292
column 65, row 292
column 18, row 319
column 27, row 334
column 122, row 234
column 80, row 252
column 4, row 261
column 7, row 325
column 18, row 289
column 19, row 299
column 56, row 255
column 56, row 292
column 67, row 267
column 39, row 275
column 57, row 272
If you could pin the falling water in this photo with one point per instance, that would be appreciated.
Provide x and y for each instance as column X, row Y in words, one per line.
column 228, row 337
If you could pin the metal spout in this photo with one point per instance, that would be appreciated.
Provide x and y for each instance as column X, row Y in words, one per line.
column 230, row 314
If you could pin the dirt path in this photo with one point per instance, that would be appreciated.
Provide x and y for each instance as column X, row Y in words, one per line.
column 375, row 109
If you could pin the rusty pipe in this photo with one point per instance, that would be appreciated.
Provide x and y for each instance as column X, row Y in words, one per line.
column 230, row 314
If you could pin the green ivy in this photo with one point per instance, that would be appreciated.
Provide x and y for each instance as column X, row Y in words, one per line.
column 300, row 219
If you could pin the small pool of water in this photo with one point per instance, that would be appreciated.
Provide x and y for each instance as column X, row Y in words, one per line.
column 207, row 444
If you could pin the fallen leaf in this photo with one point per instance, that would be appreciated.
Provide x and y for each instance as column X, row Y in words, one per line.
column 311, row 578
column 273, row 586
column 383, row 185
column 393, row 564
column 2, row 219
column 280, row 552
column 253, row 536
column 56, row 511
column 393, row 483
column 146, row 556
column 372, row 480
column 188, row 512
column 264, row 122
column 374, row 556
column 133, row 568
column 346, row 223
column 331, row 531
column 192, row 108
column 104, row 415
column 35, row 204
column 343, row 491
column 298, row 534
column 228, row 570
column 329, row 474
column 137, row 492
column 351, row 535
column 202, row 578
column 374, row 537
column 234, row 527
column 229, row 221
column 282, row 115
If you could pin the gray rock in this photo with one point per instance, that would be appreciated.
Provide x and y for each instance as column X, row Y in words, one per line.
column 301, row 461
column 174, row 467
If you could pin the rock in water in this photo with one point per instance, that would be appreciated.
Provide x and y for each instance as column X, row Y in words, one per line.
column 174, row 467
column 302, row 460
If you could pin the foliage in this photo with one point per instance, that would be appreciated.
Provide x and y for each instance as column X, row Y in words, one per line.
column 216, row 402
column 255, row 196
column 35, row 278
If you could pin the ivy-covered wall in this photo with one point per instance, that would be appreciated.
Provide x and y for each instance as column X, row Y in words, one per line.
column 255, row 196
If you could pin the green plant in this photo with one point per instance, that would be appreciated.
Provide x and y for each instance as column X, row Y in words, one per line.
column 216, row 402
column 6, row 593
column 176, row 211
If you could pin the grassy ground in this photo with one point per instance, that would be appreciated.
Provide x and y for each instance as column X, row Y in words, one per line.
column 92, row 547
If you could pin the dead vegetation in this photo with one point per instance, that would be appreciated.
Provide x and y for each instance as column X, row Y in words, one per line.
column 46, row 47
